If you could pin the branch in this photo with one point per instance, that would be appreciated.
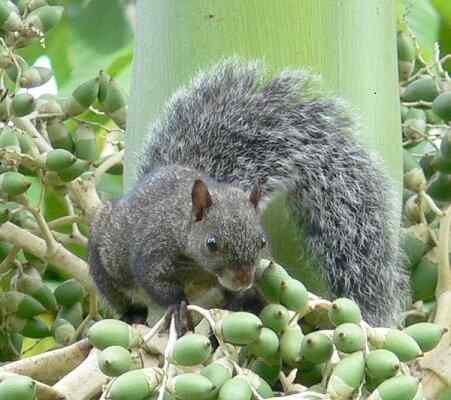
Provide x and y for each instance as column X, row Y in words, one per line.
column 84, row 382
column 26, row 125
column 84, row 193
column 51, row 366
column 63, row 259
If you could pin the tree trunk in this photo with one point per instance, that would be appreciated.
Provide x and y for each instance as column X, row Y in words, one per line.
column 350, row 43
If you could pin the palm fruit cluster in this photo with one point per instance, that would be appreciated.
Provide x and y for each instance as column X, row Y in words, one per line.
column 425, row 94
column 46, row 143
column 250, row 353
column 31, row 309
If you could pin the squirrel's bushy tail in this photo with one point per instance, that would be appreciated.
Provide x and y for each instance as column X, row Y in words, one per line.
column 235, row 125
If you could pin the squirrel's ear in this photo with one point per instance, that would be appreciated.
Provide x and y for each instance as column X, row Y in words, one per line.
column 201, row 199
column 256, row 193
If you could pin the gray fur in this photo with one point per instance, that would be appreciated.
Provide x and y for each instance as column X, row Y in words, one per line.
column 233, row 125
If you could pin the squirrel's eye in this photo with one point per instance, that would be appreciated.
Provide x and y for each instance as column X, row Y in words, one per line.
column 212, row 243
column 263, row 242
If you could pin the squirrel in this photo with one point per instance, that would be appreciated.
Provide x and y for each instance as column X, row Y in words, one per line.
column 224, row 146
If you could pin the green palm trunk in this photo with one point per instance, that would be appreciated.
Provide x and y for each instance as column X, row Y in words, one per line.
column 350, row 43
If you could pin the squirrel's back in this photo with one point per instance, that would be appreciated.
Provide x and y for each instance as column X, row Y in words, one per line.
column 237, row 126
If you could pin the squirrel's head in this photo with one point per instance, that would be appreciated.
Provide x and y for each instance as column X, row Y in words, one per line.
column 226, row 238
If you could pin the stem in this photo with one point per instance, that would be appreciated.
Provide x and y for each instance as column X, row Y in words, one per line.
column 84, row 193
column 167, row 355
column 42, row 223
column 63, row 259
column 66, row 220
column 26, row 125
column 4, row 265
column 51, row 366
column 108, row 163
column 444, row 274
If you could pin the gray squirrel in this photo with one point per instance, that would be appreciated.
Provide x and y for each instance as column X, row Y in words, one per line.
column 224, row 145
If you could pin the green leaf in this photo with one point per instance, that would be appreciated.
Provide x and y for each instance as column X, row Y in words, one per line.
column 444, row 8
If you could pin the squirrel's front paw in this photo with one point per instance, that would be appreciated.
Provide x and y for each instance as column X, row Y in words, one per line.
column 182, row 318
column 135, row 315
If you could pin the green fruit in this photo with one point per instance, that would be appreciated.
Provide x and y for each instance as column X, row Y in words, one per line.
column 310, row 374
column 71, row 107
column 261, row 386
column 9, row 139
column 45, row 18
column 111, row 332
column 13, row 183
column 191, row 350
column 193, row 386
column 23, row 104
column 275, row 317
column 69, row 292
column 138, row 384
column 217, row 373
column 440, row 187
column 349, row 338
column 406, row 47
column 424, row 277
column 59, row 135
column 414, row 178
column 85, row 143
column 406, row 56
column 445, row 144
column 35, row 328
column 27, row 145
column 115, row 104
column 442, row 106
column 401, row 387
column 414, row 127
column 35, row 76
column 265, row 370
column 59, row 159
column 241, row 328
column 114, row 361
column 236, row 388
column 398, row 342
column 290, row 345
column 9, row 19
column 74, row 171
column 10, row 346
column 63, row 331
column 294, row 296
column 423, row 89
column 86, row 93
column 316, row 348
column 73, row 314
column 104, row 79
column 267, row 344
column 433, row 118
column 426, row 334
column 21, row 304
column 270, row 282
column 18, row 387
column 5, row 214
column 344, row 310
column 414, row 242
column 346, row 377
column 381, row 364
column 45, row 296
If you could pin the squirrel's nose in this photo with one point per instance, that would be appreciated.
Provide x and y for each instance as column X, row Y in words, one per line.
column 245, row 275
